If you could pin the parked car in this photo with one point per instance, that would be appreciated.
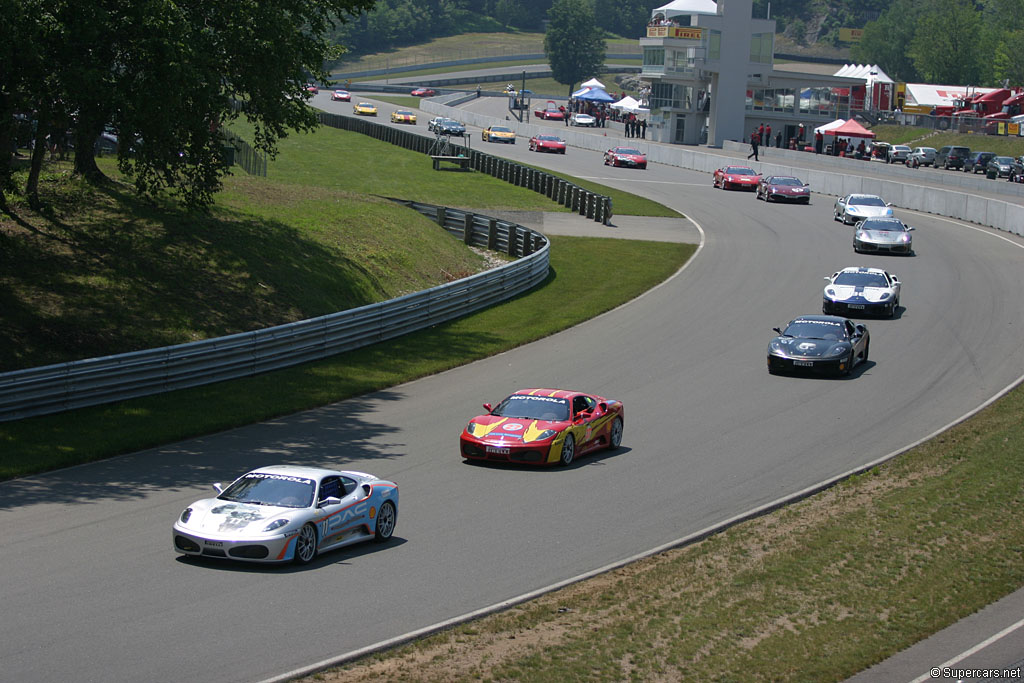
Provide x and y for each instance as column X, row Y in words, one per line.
column 952, row 156
column 580, row 119
column 897, row 154
column 1000, row 166
column 978, row 162
column 1017, row 170
column 921, row 156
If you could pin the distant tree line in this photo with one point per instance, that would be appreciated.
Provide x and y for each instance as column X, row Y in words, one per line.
column 164, row 77
column 953, row 42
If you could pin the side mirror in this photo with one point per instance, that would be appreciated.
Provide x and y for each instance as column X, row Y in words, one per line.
column 827, row 278
column 330, row 500
column 218, row 488
column 487, row 407
column 777, row 330
column 909, row 228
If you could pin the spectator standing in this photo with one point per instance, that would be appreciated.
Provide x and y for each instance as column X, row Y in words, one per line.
column 819, row 142
column 755, row 140
column 778, row 139
column 760, row 131
column 767, row 135
column 643, row 129
column 629, row 128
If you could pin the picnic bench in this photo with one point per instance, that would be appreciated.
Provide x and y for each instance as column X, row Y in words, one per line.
column 461, row 162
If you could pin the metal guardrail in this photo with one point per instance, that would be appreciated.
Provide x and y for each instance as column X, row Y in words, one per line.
column 595, row 206
column 66, row 386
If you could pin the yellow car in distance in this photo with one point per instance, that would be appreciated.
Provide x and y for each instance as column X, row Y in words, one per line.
column 365, row 109
column 498, row 134
column 403, row 116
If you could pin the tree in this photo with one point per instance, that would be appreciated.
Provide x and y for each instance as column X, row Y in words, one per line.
column 884, row 42
column 946, row 47
column 627, row 18
column 574, row 46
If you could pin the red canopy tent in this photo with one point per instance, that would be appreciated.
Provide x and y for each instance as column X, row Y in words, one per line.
column 850, row 129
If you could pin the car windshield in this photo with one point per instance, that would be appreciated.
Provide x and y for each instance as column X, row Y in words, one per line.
column 626, row 150
column 866, row 201
column 267, row 488
column 883, row 226
column 1004, row 161
column 549, row 138
column 861, row 280
column 786, row 181
column 403, row 113
column 816, row 329
column 901, row 148
column 499, row 129
column 740, row 170
column 533, row 407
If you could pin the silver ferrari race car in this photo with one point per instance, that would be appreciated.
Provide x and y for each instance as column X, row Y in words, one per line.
column 855, row 207
column 857, row 290
column 883, row 235
column 819, row 344
column 283, row 513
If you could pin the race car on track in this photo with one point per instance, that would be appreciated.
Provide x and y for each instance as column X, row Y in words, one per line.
column 854, row 207
column 547, row 143
column 883, row 235
column 625, row 156
column 858, row 290
column 783, row 188
column 543, row 427
column 735, row 178
column 446, row 126
column 403, row 116
column 819, row 344
column 283, row 513
column 498, row 134
column 312, row 88
column 365, row 109
column 341, row 96
column 550, row 112
column 423, row 92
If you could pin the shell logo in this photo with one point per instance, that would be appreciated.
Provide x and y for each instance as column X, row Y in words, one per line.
column 373, row 512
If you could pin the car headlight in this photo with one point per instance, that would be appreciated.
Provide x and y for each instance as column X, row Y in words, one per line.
column 906, row 238
column 775, row 346
column 185, row 515
column 885, row 295
column 837, row 350
column 830, row 292
column 471, row 428
column 546, row 434
column 276, row 524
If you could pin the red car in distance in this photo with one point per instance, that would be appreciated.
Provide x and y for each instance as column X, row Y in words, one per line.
column 341, row 96
column 736, row 178
column 550, row 112
column 547, row 143
column 625, row 156
column 423, row 92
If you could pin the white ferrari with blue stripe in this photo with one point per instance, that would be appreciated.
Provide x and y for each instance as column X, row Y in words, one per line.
column 858, row 290
column 284, row 513
column 857, row 207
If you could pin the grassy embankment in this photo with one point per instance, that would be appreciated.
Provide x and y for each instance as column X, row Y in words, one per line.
column 100, row 272
column 926, row 137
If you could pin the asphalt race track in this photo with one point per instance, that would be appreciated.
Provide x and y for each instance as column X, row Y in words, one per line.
column 92, row 590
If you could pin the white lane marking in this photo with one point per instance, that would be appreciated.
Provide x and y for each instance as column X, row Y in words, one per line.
column 967, row 653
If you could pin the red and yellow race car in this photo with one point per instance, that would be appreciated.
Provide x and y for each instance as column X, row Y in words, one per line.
column 543, row 427
column 736, row 178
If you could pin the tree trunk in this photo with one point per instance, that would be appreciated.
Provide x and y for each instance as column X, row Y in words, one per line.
column 38, row 152
column 86, row 133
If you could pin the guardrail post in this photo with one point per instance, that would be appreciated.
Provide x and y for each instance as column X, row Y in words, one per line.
column 575, row 205
column 467, row 228
column 492, row 234
column 512, row 240
column 591, row 201
column 440, row 216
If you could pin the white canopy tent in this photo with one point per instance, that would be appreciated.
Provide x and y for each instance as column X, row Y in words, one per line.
column 629, row 104
column 593, row 83
column 829, row 126
column 678, row 7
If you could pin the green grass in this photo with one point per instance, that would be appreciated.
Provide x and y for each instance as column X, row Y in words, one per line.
column 44, row 443
column 925, row 137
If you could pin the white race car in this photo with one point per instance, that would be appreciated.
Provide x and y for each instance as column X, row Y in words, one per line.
column 856, row 207
column 283, row 513
column 856, row 291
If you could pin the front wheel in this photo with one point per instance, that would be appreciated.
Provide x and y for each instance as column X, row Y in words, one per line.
column 849, row 364
column 305, row 545
column 386, row 518
column 615, row 436
column 568, row 451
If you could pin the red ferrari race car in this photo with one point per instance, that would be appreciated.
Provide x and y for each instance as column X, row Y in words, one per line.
column 543, row 427
column 547, row 143
column 423, row 92
column 550, row 112
column 736, row 178
column 625, row 156
column 341, row 96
